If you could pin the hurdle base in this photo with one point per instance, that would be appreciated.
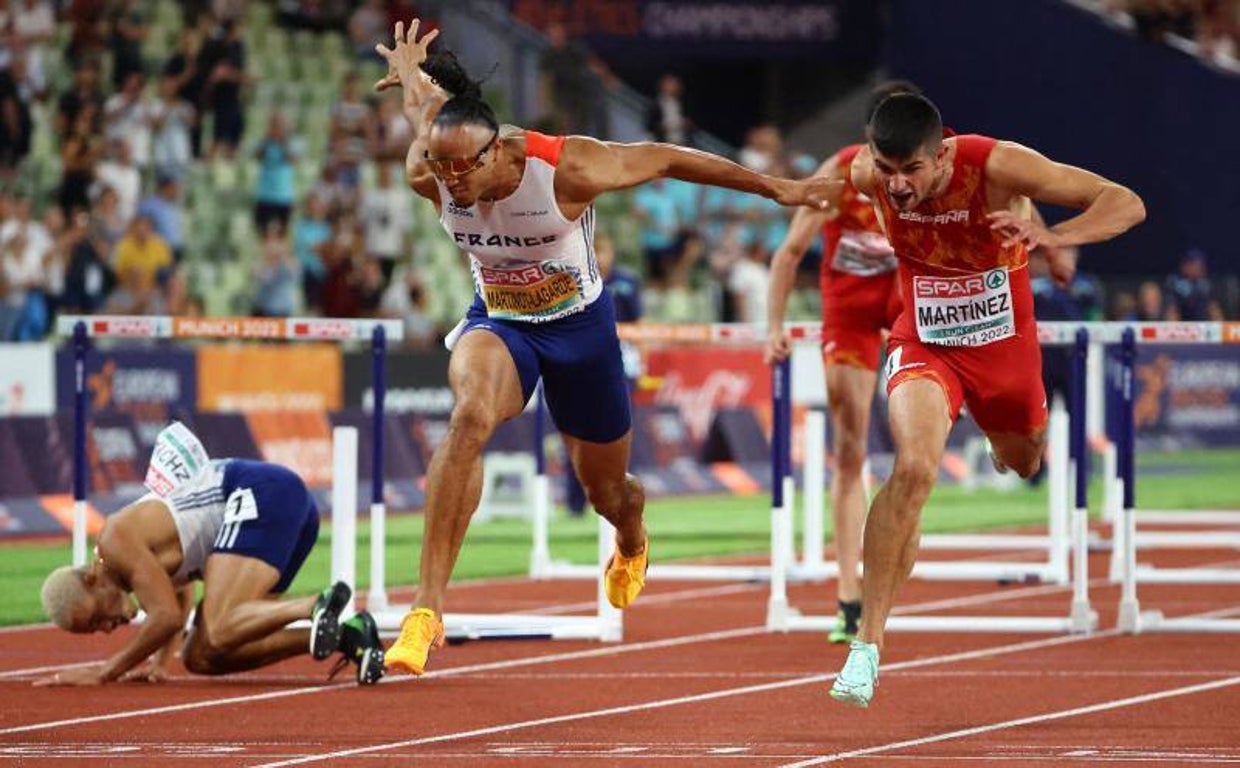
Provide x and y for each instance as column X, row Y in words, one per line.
column 460, row 627
column 1148, row 574
column 1082, row 619
column 971, row 624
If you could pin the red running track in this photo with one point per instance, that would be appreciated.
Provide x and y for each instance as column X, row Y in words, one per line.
column 697, row 682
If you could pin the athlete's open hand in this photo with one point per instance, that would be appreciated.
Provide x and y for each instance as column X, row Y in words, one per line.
column 403, row 59
column 1018, row 230
column 151, row 672
column 778, row 347
column 91, row 675
column 815, row 192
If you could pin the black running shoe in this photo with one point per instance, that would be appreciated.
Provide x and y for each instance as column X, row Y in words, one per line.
column 325, row 620
column 360, row 644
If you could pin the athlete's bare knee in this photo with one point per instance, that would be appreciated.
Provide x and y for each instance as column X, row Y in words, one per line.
column 913, row 477
column 1027, row 464
column 200, row 658
column 615, row 500
column 849, row 455
column 472, row 424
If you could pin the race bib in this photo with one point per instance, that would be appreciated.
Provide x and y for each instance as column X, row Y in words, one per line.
column 178, row 461
column 864, row 253
column 529, row 291
column 969, row 311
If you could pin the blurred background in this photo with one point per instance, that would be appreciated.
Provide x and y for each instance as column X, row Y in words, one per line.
column 225, row 157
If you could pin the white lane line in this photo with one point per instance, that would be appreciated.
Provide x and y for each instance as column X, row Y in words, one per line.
column 451, row 671
column 490, row 666
column 693, row 699
column 931, row 605
column 1043, row 718
column 40, row 670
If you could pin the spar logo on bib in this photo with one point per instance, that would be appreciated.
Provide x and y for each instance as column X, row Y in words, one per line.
column 967, row 311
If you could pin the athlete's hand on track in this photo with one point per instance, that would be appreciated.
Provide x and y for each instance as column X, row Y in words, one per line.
column 79, row 676
column 403, row 59
column 816, row 192
column 151, row 672
column 778, row 347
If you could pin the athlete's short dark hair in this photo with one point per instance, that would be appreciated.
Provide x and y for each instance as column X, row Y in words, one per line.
column 886, row 89
column 904, row 123
column 465, row 105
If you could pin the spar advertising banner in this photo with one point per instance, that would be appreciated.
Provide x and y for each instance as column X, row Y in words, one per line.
column 254, row 379
column 27, row 380
column 1186, row 395
column 417, row 381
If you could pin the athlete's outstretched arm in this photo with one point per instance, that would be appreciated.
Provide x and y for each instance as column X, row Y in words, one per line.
column 1107, row 209
column 805, row 226
column 421, row 100
column 589, row 167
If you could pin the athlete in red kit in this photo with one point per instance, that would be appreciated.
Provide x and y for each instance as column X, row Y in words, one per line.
column 860, row 301
column 957, row 213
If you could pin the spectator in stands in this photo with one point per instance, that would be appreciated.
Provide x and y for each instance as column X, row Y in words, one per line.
column 87, row 24
column 748, row 283
column 276, row 193
column 127, row 116
column 183, row 68
column 179, row 300
column 571, row 85
column 1189, row 294
column 172, row 123
column 386, row 212
column 167, row 216
column 1150, row 304
column 655, row 207
column 342, row 256
column 624, row 285
column 24, row 246
column 57, row 259
column 370, row 287
column 311, row 234
column 334, row 189
column 277, row 279
column 85, row 95
column 119, row 172
column 223, row 60
column 351, row 119
column 389, row 134
column 15, row 122
column 405, row 300
column 367, row 24
column 108, row 223
column 1052, row 301
column 88, row 277
column 78, row 159
column 141, row 256
column 128, row 32
column 34, row 25
column 666, row 120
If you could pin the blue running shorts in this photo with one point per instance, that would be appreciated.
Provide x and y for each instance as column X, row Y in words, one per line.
column 579, row 360
column 268, row 515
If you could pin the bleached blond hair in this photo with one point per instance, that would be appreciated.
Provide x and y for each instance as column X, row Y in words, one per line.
column 63, row 590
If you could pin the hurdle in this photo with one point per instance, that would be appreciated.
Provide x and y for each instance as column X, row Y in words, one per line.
column 1126, row 538
column 344, row 484
column 1114, row 485
column 813, row 566
column 1067, row 438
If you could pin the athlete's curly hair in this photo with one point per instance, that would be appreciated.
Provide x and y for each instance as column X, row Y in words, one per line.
column 465, row 105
